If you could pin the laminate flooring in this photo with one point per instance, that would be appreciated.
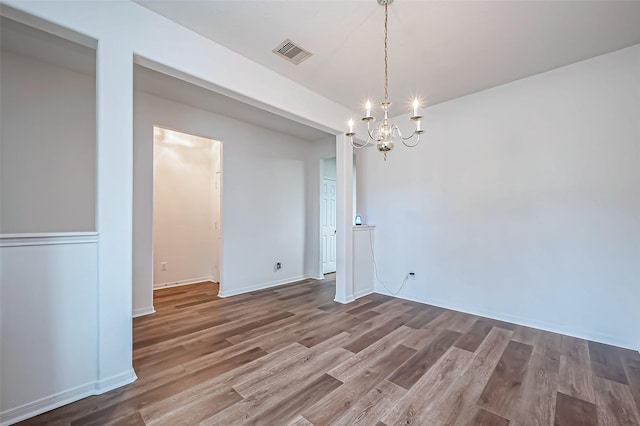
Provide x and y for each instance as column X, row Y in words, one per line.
column 292, row 356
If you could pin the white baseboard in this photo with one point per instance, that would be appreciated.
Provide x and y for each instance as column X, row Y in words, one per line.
column 183, row 282
column 353, row 297
column 363, row 293
column 15, row 415
column 344, row 301
column 31, row 409
column 140, row 312
column 262, row 286
column 113, row 382
column 527, row 322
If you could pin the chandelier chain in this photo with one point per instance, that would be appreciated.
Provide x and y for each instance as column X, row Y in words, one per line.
column 386, row 53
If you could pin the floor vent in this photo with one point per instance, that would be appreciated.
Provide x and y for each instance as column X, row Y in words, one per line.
column 291, row 52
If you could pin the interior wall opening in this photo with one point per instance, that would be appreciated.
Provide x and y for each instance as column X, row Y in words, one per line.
column 187, row 174
column 48, row 132
column 271, row 186
column 328, row 192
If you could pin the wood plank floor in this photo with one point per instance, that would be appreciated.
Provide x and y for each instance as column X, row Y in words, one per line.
column 291, row 355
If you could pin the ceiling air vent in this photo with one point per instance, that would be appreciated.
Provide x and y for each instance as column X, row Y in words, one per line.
column 291, row 52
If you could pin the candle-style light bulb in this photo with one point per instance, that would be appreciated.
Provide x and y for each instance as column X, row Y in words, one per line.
column 368, row 106
column 416, row 105
column 351, row 126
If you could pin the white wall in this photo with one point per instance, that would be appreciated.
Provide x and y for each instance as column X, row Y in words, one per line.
column 522, row 202
column 265, row 179
column 329, row 168
column 360, row 169
column 48, row 145
column 363, row 267
column 119, row 29
column 216, row 214
column 184, row 232
column 48, row 305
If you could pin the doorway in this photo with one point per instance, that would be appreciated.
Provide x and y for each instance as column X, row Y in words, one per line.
column 187, row 182
column 328, row 216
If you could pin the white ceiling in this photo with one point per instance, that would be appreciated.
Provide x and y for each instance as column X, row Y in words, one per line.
column 439, row 50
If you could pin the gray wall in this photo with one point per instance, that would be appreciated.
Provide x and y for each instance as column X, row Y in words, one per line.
column 48, row 147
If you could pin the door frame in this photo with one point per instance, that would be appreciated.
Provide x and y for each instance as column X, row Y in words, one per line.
column 220, row 206
column 322, row 179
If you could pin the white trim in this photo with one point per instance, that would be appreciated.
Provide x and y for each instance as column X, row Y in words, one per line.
column 31, row 409
column 344, row 301
column 344, row 220
column 319, row 211
column 619, row 341
column 51, row 238
column 311, row 277
column 15, row 415
column 250, row 288
column 140, row 312
column 362, row 293
column 113, row 382
column 183, row 282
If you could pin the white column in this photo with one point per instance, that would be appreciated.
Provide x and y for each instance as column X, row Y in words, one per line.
column 114, row 212
column 344, row 219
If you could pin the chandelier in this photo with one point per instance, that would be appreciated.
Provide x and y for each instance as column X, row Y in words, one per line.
column 385, row 134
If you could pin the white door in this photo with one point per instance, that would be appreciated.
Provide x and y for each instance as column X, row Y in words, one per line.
column 328, row 225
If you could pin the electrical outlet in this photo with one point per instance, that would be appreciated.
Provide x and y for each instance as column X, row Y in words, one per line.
column 278, row 265
column 163, row 266
column 412, row 275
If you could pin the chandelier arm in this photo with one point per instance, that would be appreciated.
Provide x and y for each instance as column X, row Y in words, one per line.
column 358, row 146
column 395, row 128
column 411, row 145
column 410, row 137
column 371, row 138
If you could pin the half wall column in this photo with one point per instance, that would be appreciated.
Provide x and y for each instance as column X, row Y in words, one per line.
column 114, row 212
column 344, row 219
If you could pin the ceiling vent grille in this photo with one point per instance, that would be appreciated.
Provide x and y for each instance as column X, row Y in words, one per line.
column 291, row 52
